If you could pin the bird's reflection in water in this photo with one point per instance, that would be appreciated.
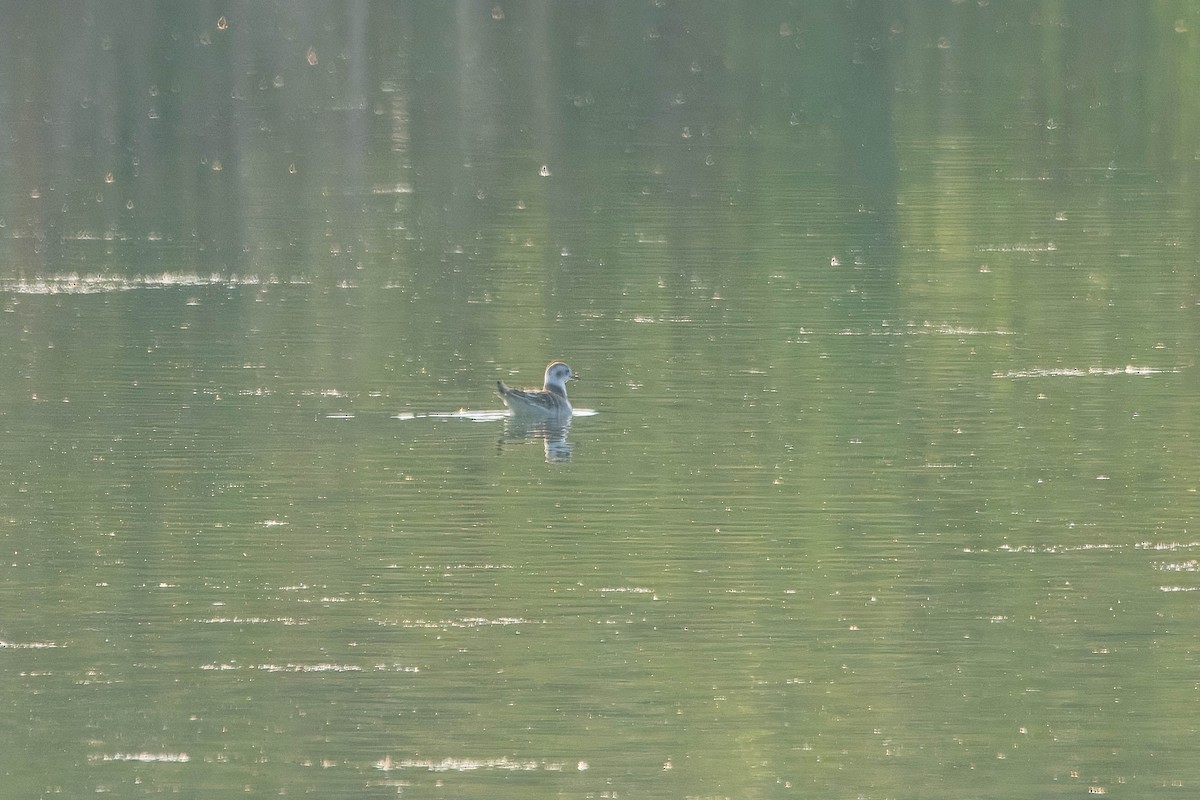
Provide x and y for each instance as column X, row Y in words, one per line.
column 552, row 434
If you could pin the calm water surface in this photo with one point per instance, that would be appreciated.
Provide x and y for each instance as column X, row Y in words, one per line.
column 886, row 317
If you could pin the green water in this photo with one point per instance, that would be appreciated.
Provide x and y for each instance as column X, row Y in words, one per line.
column 887, row 314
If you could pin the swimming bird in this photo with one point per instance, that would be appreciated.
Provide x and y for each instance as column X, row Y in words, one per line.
column 548, row 402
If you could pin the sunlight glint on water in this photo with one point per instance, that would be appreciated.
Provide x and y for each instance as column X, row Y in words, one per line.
column 882, row 473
